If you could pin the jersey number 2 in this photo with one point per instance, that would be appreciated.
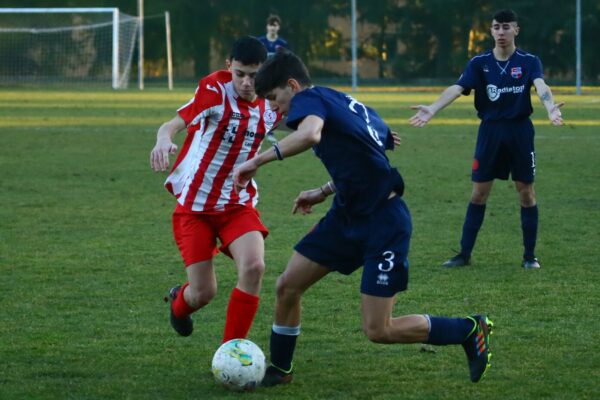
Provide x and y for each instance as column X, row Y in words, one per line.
column 372, row 131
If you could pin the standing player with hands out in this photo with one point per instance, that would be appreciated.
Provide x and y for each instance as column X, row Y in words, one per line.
column 226, row 124
column 367, row 225
column 502, row 79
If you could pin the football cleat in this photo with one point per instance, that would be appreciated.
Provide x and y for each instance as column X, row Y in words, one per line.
column 183, row 326
column 459, row 260
column 274, row 376
column 477, row 347
column 531, row 263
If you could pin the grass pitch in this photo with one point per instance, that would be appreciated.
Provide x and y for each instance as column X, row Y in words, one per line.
column 86, row 255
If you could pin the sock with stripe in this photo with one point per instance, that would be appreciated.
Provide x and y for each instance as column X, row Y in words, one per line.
column 282, row 346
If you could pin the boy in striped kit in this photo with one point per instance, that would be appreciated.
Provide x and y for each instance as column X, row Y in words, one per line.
column 226, row 123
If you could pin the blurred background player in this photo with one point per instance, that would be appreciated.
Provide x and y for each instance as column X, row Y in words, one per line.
column 502, row 80
column 226, row 124
column 367, row 225
column 272, row 40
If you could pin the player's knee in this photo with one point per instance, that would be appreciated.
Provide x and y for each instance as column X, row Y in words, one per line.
column 285, row 290
column 376, row 334
column 527, row 198
column 199, row 297
column 253, row 270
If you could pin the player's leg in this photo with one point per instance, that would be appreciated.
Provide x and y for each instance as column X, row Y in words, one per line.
column 523, row 172
column 193, row 235
column 473, row 221
column 248, row 254
column 488, row 164
column 242, row 234
column 300, row 274
column 529, row 223
column 471, row 332
column 379, row 326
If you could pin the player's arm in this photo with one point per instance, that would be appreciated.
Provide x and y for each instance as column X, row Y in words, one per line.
column 307, row 135
column 159, row 156
column 309, row 198
column 425, row 113
column 545, row 95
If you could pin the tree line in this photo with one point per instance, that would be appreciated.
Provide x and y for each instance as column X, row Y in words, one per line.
column 404, row 39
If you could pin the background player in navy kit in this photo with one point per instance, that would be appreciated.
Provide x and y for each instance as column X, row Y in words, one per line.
column 272, row 40
column 502, row 79
column 368, row 224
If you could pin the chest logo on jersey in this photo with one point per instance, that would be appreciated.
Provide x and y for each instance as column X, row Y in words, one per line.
column 486, row 68
column 494, row 92
column 516, row 72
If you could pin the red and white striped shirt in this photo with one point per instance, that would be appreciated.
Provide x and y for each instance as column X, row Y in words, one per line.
column 223, row 131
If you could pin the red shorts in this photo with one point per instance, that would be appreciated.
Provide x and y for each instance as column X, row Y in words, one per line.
column 196, row 233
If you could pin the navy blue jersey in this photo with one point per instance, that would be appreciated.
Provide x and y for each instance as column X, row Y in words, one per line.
column 502, row 88
column 352, row 148
column 272, row 46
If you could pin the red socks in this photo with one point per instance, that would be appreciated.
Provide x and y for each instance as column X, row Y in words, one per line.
column 179, row 306
column 240, row 314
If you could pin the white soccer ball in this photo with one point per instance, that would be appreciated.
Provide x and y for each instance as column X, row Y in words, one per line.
column 239, row 365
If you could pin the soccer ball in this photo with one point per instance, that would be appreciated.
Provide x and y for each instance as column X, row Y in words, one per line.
column 239, row 365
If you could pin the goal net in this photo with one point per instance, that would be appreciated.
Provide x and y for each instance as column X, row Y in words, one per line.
column 66, row 45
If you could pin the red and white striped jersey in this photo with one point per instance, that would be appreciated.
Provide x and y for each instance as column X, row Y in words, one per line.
column 223, row 131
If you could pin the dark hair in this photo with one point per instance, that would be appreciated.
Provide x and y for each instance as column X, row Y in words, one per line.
column 276, row 71
column 273, row 19
column 503, row 16
column 249, row 51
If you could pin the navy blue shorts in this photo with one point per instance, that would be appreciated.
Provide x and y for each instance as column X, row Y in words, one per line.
column 503, row 148
column 379, row 242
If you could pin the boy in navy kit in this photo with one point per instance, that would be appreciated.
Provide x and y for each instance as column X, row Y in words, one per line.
column 272, row 40
column 368, row 224
column 502, row 79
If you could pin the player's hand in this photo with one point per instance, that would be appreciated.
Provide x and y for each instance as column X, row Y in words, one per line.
column 423, row 115
column 243, row 174
column 159, row 156
column 307, row 199
column 555, row 115
column 396, row 137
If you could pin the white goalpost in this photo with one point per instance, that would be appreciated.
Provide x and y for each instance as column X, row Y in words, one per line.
column 66, row 45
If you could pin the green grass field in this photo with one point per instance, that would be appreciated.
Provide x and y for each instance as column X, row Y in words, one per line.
column 86, row 255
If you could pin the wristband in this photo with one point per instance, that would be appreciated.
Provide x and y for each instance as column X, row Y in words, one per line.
column 330, row 186
column 278, row 152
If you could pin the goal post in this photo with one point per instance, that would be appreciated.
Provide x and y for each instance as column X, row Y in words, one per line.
column 66, row 45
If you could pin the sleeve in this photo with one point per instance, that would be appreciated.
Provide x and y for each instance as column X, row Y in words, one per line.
column 537, row 70
column 208, row 94
column 468, row 79
column 307, row 102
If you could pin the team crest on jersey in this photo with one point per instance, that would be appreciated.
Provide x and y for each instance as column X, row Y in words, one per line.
column 269, row 116
column 486, row 68
column 516, row 72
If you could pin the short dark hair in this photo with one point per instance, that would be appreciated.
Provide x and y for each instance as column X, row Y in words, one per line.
column 503, row 16
column 249, row 51
column 276, row 71
column 273, row 19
